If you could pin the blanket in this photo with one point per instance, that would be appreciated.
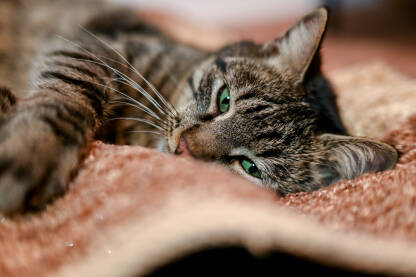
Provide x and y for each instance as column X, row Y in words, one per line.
column 133, row 211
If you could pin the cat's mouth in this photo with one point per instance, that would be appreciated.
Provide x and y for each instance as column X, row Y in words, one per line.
column 183, row 147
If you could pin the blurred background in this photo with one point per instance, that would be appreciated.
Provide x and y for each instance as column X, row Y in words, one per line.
column 359, row 30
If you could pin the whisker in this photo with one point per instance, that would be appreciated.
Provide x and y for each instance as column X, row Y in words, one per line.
column 139, row 108
column 127, row 97
column 116, row 79
column 139, row 88
column 132, row 83
column 142, row 90
column 142, row 120
column 130, row 67
column 135, row 104
column 168, row 118
column 131, row 98
column 171, row 77
column 146, row 131
column 157, row 93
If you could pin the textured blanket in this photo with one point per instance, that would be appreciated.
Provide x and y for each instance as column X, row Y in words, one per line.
column 133, row 211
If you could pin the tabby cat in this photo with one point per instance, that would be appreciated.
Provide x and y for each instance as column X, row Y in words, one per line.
column 263, row 110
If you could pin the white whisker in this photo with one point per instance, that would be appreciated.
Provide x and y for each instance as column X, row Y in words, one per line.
column 116, row 71
column 136, row 103
column 139, row 108
column 157, row 93
column 142, row 90
column 139, row 88
column 130, row 67
column 131, row 98
column 151, row 123
column 146, row 131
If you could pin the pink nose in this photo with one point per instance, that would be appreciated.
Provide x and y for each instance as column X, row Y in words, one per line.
column 183, row 148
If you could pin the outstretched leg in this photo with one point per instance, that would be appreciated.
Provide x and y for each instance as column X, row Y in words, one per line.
column 44, row 136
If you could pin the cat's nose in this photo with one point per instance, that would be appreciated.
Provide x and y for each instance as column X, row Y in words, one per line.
column 200, row 143
column 183, row 147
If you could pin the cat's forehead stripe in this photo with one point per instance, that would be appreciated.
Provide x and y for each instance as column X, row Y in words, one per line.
column 191, row 85
column 221, row 64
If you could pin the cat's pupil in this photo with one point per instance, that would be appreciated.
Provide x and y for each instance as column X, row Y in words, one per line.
column 250, row 167
column 226, row 101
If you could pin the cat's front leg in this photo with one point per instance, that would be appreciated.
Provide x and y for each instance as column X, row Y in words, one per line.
column 41, row 142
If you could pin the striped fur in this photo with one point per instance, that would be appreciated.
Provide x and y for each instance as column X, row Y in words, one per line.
column 7, row 100
column 119, row 67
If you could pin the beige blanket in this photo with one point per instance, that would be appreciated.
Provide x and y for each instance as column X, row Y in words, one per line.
column 132, row 210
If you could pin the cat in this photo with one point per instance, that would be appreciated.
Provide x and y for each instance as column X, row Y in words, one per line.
column 265, row 111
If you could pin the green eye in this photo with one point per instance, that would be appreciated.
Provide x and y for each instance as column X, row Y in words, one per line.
column 224, row 99
column 250, row 167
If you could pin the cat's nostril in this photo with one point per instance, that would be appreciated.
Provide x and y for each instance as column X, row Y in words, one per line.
column 183, row 147
column 195, row 126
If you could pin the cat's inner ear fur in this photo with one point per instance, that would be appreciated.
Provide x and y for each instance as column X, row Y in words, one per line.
column 349, row 157
column 294, row 51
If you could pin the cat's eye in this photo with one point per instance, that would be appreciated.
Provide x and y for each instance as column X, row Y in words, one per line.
column 223, row 99
column 250, row 167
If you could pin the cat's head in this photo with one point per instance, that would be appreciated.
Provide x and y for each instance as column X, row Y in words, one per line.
column 267, row 112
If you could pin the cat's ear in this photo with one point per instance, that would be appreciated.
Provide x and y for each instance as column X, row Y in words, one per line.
column 349, row 157
column 295, row 50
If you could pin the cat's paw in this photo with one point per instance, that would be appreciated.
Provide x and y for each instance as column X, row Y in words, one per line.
column 21, row 194
column 35, row 166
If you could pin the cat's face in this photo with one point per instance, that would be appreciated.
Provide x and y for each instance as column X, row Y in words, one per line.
column 253, row 110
